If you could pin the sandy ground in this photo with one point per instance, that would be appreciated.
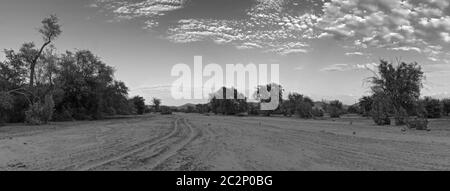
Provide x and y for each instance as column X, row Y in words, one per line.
column 199, row 142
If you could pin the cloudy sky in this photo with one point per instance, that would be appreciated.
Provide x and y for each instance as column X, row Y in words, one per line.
column 325, row 48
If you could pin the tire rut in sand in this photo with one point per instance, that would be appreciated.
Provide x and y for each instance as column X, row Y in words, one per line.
column 132, row 150
column 152, row 154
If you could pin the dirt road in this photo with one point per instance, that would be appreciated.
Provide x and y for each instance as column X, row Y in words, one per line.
column 198, row 142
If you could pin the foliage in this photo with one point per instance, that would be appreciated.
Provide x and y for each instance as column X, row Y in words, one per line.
column 166, row 110
column 401, row 84
column 232, row 105
column 40, row 113
column 418, row 123
column 446, row 106
column 355, row 109
column 316, row 112
column 300, row 105
column 5, row 105
column 335, row 109
column 433, row 107
column 253, row 108
column 380, row 109
column 80, row 84
column 156, row 103
column 365, row 103
column 139, row 104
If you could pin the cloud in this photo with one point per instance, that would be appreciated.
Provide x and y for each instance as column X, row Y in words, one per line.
column 349, row 67
column 407, row 48
column 336, row 68
column 273, row 25
column 151, row 10
column 354, row 54
column 394, row 24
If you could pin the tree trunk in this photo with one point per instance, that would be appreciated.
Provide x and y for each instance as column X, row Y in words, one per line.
column 33, row 63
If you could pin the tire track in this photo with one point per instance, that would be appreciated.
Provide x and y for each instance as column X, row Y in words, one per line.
column 153, row 154
column 137, row 148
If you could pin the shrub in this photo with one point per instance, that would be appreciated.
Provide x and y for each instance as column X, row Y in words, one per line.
column 380, row 110
column 316, row 112
column 433, row 107
column 139, row 104
column 5, row 104
column 335, row 109
column 304, row 110
column 401, row 116
column 165, row 110
column 355, row 109
column 446, row 106
column 418, row 123
column 40, row 113
column 65, row 115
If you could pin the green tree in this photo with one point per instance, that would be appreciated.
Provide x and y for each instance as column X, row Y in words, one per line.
column 50, row 30
column 335, row 109
column 446, row 106
column 139, row 104
column 401, row 84
column 380, row 109
column 365, row 103
column 433, row 107
column 156, row 104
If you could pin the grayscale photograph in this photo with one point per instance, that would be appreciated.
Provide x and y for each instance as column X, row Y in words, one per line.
column 224, row 85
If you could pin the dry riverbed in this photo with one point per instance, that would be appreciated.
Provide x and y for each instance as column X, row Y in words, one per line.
column 198, row 142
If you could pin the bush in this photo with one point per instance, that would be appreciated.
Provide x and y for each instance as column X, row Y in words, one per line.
column 433, row 107
column 334, row 112
column 335, row 109
column 40, row 113
column 418, row 123
column 304, row 110
column 139, row 104
column 65, row 115
column 446, row 106
column 380, row 110
column 316, row 112
column 5, row 105
column 165, row 111
column 401, row 116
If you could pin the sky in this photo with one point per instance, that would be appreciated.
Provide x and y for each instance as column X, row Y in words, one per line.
column 325, row 48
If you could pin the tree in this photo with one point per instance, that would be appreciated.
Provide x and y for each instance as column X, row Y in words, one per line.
column 298, row 104
column 446, row 106
column 156, row 104
column 365, row 103
column 335, row 109
column 5, row 105
column 401, row 85
column 432, row 107
column 49, row 30
column 139, row 104
column 230, row 102
column 354, row 109
column 380, row 109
